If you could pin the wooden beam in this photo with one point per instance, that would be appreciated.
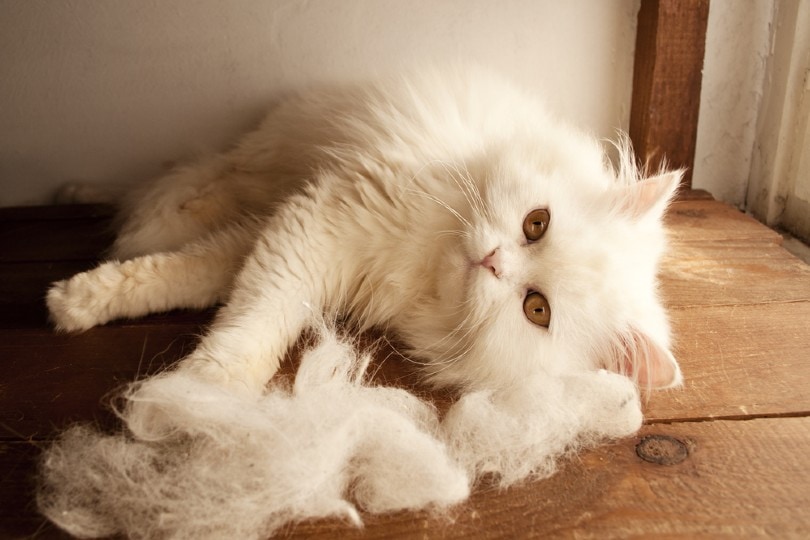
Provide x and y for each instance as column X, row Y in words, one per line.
column 670, row 43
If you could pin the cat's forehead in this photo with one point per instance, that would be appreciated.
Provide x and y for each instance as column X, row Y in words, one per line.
column 570, row 196
column 544, row 174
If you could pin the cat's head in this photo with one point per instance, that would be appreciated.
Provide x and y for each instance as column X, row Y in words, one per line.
column 556, row 269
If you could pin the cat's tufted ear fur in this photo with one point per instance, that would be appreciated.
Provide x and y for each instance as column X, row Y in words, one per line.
column 649, row 364
column 648, row 197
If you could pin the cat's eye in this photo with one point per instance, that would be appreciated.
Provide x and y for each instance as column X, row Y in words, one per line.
column 536, row 308
column 535, row 224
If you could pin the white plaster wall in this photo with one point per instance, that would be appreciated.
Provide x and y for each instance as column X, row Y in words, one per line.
column 753, row 145
column 738, row 42
column 779, row 184
column 106, row 91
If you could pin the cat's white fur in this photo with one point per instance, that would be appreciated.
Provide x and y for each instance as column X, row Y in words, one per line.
column 380, row 201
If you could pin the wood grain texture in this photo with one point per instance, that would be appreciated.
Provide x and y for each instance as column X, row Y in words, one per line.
column 732, row 273
column 23, row 286
column 741, row 312
column 707, row 222
column 739, row 361
column 50, row 381
column 667, row 75
column 56, row 239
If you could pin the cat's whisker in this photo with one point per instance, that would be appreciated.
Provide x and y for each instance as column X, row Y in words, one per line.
column 457, row 327
column 471, row 323
column 450, row 232
column 471, row 188
column 436, row 199
column 484, row 207
column 367, row 312
column 469, row 329
column 446, row 362
column 462, row 181
column 441, row 203
column 463, row 184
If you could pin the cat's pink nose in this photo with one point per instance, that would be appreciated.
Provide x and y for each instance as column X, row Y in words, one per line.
column 493, row 263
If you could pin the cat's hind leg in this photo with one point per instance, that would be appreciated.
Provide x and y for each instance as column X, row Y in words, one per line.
column 197, row 276
column 185, row 205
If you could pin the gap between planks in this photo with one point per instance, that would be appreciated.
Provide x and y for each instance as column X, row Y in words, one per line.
column 726, row 418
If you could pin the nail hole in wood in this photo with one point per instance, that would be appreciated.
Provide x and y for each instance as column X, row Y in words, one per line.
column 662, row 450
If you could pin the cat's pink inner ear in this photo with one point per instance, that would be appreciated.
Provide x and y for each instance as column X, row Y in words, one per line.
column 650, row 365
column 649, row 196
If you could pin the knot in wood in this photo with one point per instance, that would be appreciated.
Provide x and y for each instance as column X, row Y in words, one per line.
column 662, row 450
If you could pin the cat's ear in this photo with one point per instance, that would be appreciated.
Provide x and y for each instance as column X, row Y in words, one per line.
column 647, row 197
column 649, row 364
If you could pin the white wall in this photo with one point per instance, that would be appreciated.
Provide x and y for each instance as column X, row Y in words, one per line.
column 753, row 145
column 738, row 43
column 779, row 186
column 106, row 91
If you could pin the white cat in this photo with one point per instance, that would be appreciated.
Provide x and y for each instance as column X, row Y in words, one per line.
column 449, row 208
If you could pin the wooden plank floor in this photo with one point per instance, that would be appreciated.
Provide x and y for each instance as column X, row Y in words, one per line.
column 726, row 456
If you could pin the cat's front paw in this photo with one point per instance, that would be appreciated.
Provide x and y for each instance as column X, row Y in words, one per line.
column 617, row 406
column 73, row 304
column 608, row 403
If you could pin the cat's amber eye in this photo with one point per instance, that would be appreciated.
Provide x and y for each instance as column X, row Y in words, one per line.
column 537, row 310
column 535, row 224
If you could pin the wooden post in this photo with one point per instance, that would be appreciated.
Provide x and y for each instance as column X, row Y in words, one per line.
column 670, row 42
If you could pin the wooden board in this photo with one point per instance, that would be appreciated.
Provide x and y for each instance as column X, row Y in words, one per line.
column 54, row 242
column 707, row 222
column 739, row 361
column 740, row 307
column 738, row 479
column 728, row 273
column 50, row 381
column 667, row 75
